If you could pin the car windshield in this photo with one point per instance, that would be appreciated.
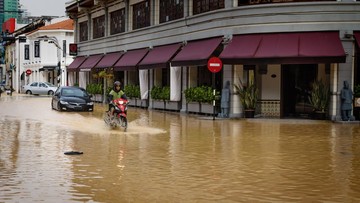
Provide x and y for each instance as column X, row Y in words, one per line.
column 49, row 84
column 73, row 93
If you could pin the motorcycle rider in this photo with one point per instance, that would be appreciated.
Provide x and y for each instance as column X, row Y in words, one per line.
column 115, row 93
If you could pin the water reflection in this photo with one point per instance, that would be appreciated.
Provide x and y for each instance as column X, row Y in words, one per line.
column 171, row 157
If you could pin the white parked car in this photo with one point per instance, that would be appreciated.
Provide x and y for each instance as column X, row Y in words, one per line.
column 40, row 88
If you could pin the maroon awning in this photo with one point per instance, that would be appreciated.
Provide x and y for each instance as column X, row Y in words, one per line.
column 130, row 59
column 76, row 63
column 285, row 48
column 91, row 61
column 357, row 38
column 109, row 60
column 196, row 52
column 159, row 57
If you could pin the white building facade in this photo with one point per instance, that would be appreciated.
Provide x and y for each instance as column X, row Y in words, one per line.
column 38, row 54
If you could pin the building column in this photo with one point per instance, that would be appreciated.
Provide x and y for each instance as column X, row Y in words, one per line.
column 107, row 27
column 127, row 16
column 90, row 34
column 230, row 3
column 334, row 94
column 186, row 8
column 184, row 84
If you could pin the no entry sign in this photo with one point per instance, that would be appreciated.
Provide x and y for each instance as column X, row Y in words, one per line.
column 214, row 64
column 28, row 72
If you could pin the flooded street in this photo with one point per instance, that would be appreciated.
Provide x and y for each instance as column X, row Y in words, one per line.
column 172, row 157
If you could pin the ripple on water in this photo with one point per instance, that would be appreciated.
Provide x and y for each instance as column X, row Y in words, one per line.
column 167, row 157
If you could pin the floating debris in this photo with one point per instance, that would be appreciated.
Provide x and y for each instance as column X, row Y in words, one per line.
column 73, row 153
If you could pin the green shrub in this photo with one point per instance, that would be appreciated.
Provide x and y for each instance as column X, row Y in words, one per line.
column 132, row 91
column 94, row 88
column 160, row 93
column 357, row 90
column 202, row 94
column 320, row 96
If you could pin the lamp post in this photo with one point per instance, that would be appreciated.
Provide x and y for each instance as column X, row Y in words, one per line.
column 21, row 39
column 54, row 40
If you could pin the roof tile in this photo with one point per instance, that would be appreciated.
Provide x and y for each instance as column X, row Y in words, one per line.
column 63, row 25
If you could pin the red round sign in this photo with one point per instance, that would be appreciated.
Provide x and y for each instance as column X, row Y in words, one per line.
column 28, row 72
column 73, row 49
column 214, row 64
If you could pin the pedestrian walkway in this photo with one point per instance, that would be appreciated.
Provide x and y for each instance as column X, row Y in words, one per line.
column 13, row 96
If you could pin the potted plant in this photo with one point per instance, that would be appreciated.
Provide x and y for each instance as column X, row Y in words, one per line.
column 248, row 97
column 203, row 95
column 192, row 101
column 132, row 92
column 96, row 90
column 160, row 95
column 319, row 98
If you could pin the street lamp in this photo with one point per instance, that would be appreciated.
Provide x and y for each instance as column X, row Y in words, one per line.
column 54, row 40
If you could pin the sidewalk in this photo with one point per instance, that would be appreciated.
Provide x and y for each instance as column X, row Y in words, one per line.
column 14, row 94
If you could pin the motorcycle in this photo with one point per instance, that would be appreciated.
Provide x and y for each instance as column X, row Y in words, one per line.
column 119, row 117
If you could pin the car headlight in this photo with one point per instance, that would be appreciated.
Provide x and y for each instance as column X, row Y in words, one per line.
column 63, row 102
column 90, row 103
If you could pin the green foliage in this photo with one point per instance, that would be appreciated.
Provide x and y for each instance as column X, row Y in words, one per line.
column 160, row 93
column 108, row 90
column 94, row 88
column 248, row 95
column 357, row 90
column 202, row 94
column 166, row 93
column 320, row 96
column 132, row 91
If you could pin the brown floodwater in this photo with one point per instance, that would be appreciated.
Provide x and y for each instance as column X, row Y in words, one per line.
column 172, row 157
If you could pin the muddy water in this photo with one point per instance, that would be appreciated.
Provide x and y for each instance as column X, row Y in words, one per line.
column 169, row 157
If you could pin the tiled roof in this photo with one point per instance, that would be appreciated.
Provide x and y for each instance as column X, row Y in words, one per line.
column 63, row 25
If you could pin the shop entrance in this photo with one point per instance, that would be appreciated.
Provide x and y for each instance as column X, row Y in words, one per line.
column 296, row 86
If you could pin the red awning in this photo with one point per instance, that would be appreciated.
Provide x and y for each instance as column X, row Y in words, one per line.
column 357, row 38
column 285, row 48
column 159, row 57
column 130, row 59
column 76, row 63
column 91, row 61
column 109, row 60
column 196, row 52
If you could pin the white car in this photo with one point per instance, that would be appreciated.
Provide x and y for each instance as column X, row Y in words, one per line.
column 40, row 88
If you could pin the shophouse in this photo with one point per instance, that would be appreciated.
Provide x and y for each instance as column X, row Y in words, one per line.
column 47, row 51
column 38, row 52
column 280, row 46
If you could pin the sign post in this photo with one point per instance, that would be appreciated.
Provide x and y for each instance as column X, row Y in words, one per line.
column 214, row 65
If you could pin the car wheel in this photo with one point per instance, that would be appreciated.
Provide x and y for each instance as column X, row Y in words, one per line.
column 51, row 92
column 59, row 106
column 28, row 92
